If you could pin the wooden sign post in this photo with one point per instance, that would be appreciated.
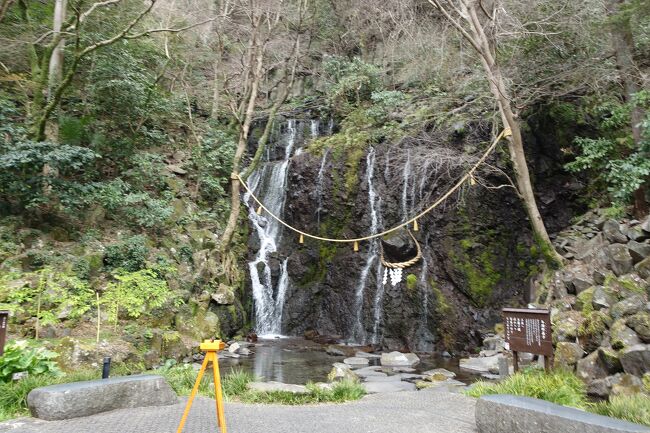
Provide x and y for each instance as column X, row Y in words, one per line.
column 4, row 318
column 529, row 330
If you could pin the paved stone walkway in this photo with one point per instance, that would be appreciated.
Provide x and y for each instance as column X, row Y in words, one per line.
column 402, row 412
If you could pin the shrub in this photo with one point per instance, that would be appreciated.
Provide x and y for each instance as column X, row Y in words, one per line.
column 130, row 254
column 19, row 357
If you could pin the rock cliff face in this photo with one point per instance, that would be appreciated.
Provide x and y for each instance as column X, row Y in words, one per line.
column 477, row 250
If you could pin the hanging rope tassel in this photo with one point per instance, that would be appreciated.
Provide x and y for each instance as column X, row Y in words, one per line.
column 415, row 226
column 302, row 239
column 259, row 210
column 356, row 246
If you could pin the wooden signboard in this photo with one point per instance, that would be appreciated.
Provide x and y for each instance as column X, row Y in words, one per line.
column 528, row 330
column 4, row 318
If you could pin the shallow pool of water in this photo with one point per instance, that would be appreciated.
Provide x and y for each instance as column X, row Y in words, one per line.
column 298, row 361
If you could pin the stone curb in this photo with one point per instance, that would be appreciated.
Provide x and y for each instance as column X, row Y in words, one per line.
column 514, row 414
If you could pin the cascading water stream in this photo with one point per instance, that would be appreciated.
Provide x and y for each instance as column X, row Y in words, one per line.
column 319, row 185
column 374, row 207
column 269, row 184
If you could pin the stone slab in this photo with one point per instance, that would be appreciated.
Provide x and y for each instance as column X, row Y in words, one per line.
column 514, row 414
column 77, row 399
column 277, row 386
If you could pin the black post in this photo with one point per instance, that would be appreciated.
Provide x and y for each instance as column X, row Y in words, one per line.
column 106, row 371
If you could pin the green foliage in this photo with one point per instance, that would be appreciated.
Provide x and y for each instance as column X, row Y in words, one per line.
column 350, row 81
column 614, row 157
column 130, row 254
column 560, row 387
column 634, row 408
column 213, row 160
column 19, row 357
column 135, row 292
column 46, row 294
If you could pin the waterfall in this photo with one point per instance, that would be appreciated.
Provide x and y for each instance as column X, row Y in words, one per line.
column 269, row 184
column 319, row 185
column 314, row 126
column 406, row 173
column 374, row 206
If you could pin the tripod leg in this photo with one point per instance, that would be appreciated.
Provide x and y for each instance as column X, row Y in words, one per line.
column 221, row 418
column 193, row 394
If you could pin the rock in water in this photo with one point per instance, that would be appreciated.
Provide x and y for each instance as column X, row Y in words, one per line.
column 356, row 361
column 397, row 359
column 341, row 372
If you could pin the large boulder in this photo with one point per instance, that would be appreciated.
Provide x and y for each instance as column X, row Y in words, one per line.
column 397, row 359
column 341, row 372
column 640, row 323
column 602, row 298
column 77, row 399
column 621, row 336
column 398, row 246
column 638, row 250
column 567, row 354
column 628, row 306
column 590, row 368
column 618, row 384
column 613, row 233
column 610, row 359
column 619, row 259
column 636, row 359
column 643, row 268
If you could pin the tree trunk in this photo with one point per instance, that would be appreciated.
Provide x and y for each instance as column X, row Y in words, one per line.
column 515, row 142
column 55, row 72
column 4, row 7
column 235, row 204
column 623, row 43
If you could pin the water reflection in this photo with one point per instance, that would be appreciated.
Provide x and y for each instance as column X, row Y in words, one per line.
column 298, row 361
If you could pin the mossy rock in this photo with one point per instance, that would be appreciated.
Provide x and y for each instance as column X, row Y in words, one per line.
column 610, row 359
column 584, row 300
column 593, row 328
column 566, row 325
column 411, row 281
column 567, row 354
column 640, row 323
column 621, row 336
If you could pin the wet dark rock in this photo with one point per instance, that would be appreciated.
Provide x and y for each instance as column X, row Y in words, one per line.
column 398, row 246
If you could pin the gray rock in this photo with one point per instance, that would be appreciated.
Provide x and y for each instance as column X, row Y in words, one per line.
column 366, row 355
column 439, row 372
column 610, row 359
column 621, row 336
column 619, row 259
column 627, row 307
column 334, row 351
column 640, row 323
column 567, row 354
column 397, row 359
column 643, row 268
column 590, row 248
column 277, row 386
column 602, row 298
column 224, row 295
column 493, row 343
column 613, row 233
column 77, row 399
column 636, row 359
column 638, row 250
column 590, row 368
column 356, row 361
column 645, row 225
column 341, row 372
column 513, row 414
column 393, row 386
column 481, row 365
column 234, row 347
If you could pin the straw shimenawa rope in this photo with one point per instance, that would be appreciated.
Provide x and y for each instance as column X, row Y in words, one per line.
column 505, row 133
column 406, row 264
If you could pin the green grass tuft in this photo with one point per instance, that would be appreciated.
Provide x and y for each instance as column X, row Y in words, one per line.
column 634, row 408
column 560, row 387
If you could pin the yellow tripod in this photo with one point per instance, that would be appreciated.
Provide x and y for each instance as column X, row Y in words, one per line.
column 210, row 347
